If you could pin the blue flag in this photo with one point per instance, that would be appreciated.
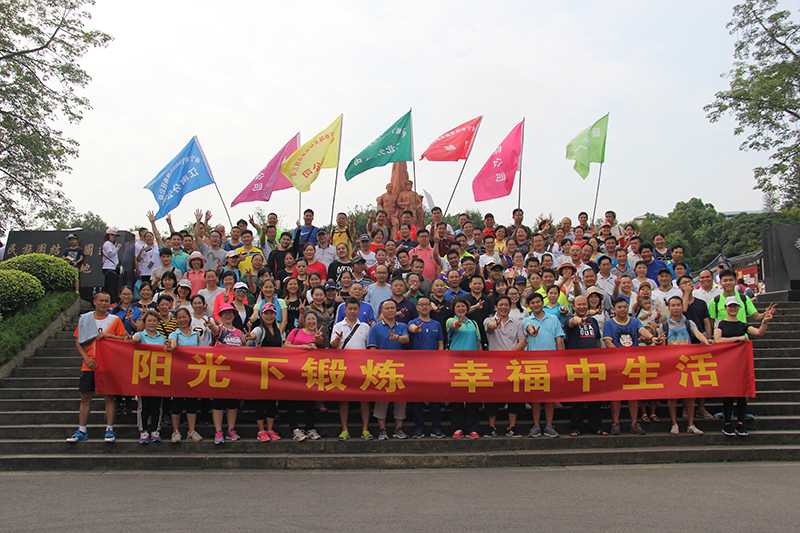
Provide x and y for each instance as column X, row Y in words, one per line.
column 187, row 172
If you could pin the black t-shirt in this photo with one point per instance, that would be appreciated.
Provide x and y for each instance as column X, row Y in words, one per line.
column 479, row 315
column 442, row 314
column 584, row 336
column 276, row 261
column 697, row 313
column 292, row 314
column 336, row 268
column 732, row 329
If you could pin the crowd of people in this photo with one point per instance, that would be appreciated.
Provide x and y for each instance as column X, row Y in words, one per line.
column 499, row 288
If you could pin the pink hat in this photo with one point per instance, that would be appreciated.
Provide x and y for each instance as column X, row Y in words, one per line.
column 225, row 307
column 111, row 231
column 268, row 307
column 196, row 255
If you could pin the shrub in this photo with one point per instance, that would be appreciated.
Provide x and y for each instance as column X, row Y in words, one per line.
column 55, row 273
column 18, row 289
column 24, row 325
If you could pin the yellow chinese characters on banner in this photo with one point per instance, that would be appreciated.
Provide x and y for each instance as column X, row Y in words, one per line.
column 680, row 371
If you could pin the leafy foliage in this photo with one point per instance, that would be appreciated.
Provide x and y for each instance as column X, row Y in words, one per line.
column 40, row 43
column 764, row 94
column 24, row 325
column 704, row 233
column 18, row 289
column 54, row 273
column 69, row 218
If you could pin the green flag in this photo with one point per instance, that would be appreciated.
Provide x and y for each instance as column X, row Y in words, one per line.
column 589, row 146
column 392, row 146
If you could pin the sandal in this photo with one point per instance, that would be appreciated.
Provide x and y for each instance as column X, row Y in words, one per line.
column 645, row 418
column 654, row 418
column 601, row 433
column 575, row 433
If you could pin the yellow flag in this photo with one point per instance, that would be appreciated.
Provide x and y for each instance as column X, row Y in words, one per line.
column 303, row 166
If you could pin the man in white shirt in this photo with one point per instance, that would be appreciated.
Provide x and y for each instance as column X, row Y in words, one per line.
column 666, row 289
column 351, row 334
column 706, row 291
column 326, row 253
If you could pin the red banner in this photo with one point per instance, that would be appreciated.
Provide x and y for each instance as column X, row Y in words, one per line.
column 688, row 371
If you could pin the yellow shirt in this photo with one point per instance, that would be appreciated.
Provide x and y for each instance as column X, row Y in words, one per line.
column 246, row 263
column 339, row 235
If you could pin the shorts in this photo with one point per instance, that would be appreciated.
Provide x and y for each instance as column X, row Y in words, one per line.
column 221, row 404
column 86, row 381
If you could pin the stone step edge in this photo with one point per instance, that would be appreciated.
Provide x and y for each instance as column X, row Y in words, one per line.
column 512, row 458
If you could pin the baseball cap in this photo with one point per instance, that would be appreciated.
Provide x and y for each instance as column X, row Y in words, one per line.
column 226, row 307
column 605, row 223
column 322, row 231
column 240, row 285
column 664, row 271
column 365, row 237
column 732, row 300
column 520, row 279
column 268, row 307
column 330, row 284
column 111, row 231
column 232, row 253
column 359, row 259
column 72, row 236
column 185, row 283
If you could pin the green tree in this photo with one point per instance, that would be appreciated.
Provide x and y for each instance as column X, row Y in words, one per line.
column 68, row 218
column 41, row 42
column 764, row 94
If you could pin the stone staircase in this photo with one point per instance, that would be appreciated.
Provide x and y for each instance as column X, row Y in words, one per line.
column 39, row 404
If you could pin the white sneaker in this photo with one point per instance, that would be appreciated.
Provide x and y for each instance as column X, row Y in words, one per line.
column 298, row 435
column 674, row 429
column 313, row 435
column 693, row 430
column 176, row 436
column 195, row 436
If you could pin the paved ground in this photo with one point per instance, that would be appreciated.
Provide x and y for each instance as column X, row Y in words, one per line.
column 709, row 497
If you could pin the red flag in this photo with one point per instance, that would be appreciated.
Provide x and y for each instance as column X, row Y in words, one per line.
column 496, row 178
column 455, row 144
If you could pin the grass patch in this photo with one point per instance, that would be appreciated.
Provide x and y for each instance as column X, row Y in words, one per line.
column 24, row 325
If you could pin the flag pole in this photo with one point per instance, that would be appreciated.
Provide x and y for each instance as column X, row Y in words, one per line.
column 597, row 193
column 472, row 143
column 521, row 148
column 338, row 156
column 413, row 158
column 299, row 205
column 208, row 166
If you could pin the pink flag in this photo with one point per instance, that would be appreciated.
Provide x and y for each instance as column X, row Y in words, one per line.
column 455, row 144
column 270, row 178
column 496, row 178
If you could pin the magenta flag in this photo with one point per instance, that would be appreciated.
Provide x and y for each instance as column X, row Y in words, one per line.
column 496, row 178
column 270, row 178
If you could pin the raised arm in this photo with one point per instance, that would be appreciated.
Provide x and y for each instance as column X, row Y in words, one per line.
column 152, row 218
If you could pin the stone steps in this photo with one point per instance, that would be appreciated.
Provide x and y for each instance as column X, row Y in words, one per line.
column 39, row 403
column 331, row 460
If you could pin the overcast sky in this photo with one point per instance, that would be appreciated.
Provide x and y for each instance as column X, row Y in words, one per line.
column 246, row 76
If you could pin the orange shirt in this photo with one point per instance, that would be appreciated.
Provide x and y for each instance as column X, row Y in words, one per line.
column 111, row 324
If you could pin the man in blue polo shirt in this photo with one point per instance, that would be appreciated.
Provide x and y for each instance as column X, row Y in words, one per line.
column 388, row 334
column 543, row 331
column 426, row 334
column 454, row 289
column 366, row 314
